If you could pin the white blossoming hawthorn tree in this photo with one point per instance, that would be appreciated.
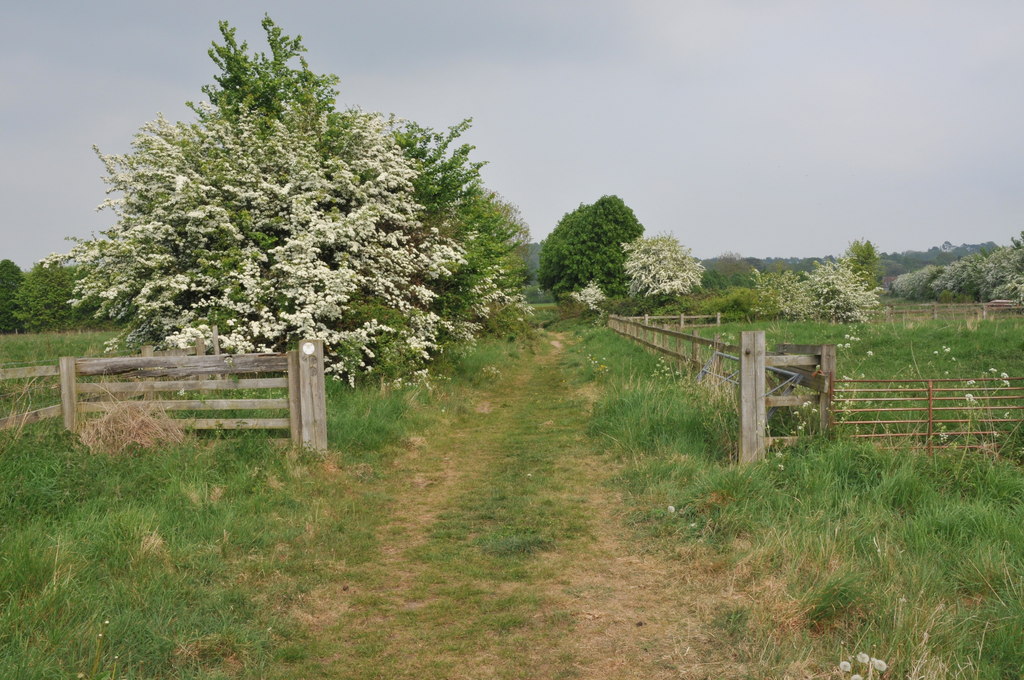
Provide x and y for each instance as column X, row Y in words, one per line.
column 591, row 296
column 839, row 294
column 660, row 265
column 275, row 217
column 916, row 285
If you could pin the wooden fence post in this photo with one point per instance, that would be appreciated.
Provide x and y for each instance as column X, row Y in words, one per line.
column 716, row 361
column 753, row 416
column 718, row 318
column 200, row 347
column 828, row 370
column 694, row 351
column 68, row 392
column 216, row 340
column 312, row 395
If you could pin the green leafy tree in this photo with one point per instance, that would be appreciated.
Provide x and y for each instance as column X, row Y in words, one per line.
column 485, row 289
column 269, row 87
column 783, row 295
column 586, row 246
column 11, row 278
column 45, row 299
column 865, row 261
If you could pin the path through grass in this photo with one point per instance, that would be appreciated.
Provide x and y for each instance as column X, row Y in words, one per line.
column 502, row 555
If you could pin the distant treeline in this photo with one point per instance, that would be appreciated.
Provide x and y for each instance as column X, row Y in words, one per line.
column 39, row 300
column 733, row 270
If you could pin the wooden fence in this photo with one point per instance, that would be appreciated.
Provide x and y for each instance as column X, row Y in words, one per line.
column 788, row 377
column 86, row 387
column 949, row 312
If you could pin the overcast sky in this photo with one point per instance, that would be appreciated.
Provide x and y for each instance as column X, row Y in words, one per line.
column 764, row 127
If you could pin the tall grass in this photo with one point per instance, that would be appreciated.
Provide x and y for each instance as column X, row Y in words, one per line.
column 919, row 560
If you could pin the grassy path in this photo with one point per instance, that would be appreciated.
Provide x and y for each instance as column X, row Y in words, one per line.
column 503, row 555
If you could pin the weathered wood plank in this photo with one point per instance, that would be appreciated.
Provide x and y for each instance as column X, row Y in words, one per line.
column 156, row 367
column 811, row 360
column 721, row 347
column 753, row 415
column 29, row 372
column 68, row 392
column 790, row 400
column 790, row 348
column 179, row 385
column 313, row 394
column 19, row 419
column 234, row 423
column 192, row 405
column 783, row 440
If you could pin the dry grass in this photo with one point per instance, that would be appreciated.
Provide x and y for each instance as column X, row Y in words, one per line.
column 130, row 425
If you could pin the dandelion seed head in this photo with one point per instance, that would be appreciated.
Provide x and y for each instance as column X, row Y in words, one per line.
column 879, row 665
column 863, row 658
column 845, row 666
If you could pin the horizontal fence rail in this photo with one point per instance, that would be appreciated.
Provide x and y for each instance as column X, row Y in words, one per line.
column 175, row 383
column 950, row 312
column 934, row 413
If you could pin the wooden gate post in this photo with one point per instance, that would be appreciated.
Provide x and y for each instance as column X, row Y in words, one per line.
column 828, row 374
column 753, row 415
column 68, row 392
column 312, row 395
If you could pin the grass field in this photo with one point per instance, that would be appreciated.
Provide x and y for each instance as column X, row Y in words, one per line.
column 512, row 520
column 192, row 552
column 926, row 349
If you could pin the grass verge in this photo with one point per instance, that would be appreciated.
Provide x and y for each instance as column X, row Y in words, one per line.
column 832, row 547
column 189, row 560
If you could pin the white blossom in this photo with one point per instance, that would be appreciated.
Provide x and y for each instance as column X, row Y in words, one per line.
column 660, row 266
column 247, row 225
column 592, row 296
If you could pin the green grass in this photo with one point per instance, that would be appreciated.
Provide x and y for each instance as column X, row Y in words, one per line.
column 48, row 347
column 194, row 553
column 917, row 560
column 915, row 351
